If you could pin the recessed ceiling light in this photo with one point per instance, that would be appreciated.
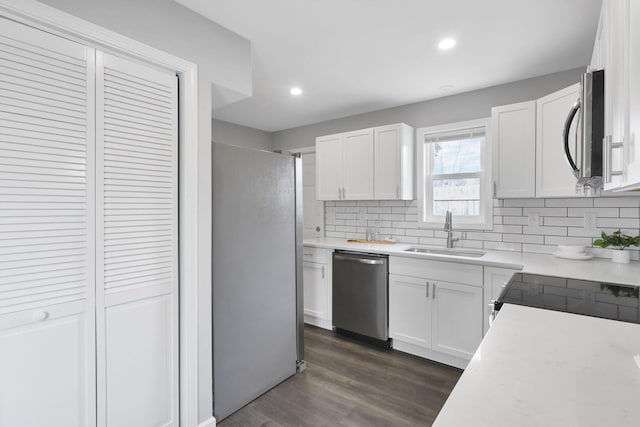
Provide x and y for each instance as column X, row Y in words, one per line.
column 446, row 44
column 295, row 91
column 445, row 87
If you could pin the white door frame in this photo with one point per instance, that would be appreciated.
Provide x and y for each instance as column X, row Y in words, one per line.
column 57, row 22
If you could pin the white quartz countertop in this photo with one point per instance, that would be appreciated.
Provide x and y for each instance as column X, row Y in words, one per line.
column 594, row 269
column 542, row 368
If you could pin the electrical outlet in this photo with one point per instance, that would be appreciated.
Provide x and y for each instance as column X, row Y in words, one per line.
column 361, row 214
column 590, row 219
column 534, row 219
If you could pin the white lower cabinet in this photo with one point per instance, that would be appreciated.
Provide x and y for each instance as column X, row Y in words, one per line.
column 435, row 309
column 494, row 279
column 409, row 310
column 317, row 287
column 456, row 319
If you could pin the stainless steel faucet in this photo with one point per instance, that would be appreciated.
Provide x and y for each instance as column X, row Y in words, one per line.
column 448, row 227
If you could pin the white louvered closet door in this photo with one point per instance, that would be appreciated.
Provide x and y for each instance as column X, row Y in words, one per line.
column 47, row 317
column 137, row 246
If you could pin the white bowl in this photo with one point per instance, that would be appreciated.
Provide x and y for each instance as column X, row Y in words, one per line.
column 572, row 249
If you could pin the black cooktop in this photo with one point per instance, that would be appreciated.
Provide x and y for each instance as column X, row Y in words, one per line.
column 586, row 297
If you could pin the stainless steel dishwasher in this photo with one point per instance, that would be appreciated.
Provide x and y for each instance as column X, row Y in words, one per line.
column 361, row 295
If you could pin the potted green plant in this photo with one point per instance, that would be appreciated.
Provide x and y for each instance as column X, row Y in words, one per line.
column 619, row 242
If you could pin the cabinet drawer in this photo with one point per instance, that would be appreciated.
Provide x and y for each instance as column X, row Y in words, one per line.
column 311, row 254
column 445, row 271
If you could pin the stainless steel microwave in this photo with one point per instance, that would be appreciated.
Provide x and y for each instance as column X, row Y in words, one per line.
column 589, row 111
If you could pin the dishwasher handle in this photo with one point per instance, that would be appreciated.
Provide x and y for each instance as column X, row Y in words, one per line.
column 360, row 260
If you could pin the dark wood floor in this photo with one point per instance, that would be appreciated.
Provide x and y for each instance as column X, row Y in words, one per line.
column 351, row 384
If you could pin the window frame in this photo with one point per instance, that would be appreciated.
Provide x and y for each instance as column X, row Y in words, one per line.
column 425, row 177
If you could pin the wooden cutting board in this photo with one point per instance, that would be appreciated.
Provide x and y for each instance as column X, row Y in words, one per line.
column 378, row 242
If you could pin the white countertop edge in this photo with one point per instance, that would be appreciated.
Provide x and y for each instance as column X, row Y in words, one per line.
column 538, row 367
column 598, row 269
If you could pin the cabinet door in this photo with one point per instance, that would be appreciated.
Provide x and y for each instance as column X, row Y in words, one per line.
column 409, row 310
column 358, row 165
column 329, row 167
column 554, row 177
column 633, row 149
column 137, row 246
column 456, row 319
column 494, row 280
column 316, row 290
column 47, row 294
column 514, row 147
column 388, row 162
column 312, row 209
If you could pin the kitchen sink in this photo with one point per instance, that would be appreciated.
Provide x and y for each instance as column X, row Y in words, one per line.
column 449, row 252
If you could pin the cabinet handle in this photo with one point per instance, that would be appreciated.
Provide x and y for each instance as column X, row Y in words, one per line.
column 323, row 271
column 427, row 290
column 495, row 189
column 398, row 191
column 433, row 294
column 607, row 152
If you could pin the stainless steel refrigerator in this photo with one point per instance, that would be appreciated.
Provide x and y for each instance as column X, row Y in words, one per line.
column 257, row 274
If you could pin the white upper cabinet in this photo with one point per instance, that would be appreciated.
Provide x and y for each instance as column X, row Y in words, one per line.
column 358, row 165
column 329, row 167
column 619, row 49
column 368, row 164
column 394, row 158
column 513, row 137
column 633, row 151
column 554, row 177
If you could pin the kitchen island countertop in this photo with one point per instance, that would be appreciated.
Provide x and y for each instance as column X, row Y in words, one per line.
column 539, row 367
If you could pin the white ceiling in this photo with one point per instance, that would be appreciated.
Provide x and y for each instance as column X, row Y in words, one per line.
column 355, row 56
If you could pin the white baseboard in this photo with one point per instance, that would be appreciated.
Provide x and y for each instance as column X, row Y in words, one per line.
column 209, row 422
column 321, row 323
column 430, row 354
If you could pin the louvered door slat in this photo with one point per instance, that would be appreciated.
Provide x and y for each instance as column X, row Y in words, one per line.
column 137, row 275
column 47, row 229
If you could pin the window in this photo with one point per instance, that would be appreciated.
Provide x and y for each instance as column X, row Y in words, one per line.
column 453, row 174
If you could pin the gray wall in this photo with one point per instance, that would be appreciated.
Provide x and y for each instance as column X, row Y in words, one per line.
column 465, row 106
column 225, row 71
column 241, row 136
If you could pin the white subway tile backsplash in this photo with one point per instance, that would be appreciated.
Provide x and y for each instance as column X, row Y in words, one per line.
column 545, row 231
column 586, row 202
column 561, row 240
column 493, row 237
column 524, row 203
column 523, row 238
column 392, row 203
column 507, row 229
column 515, row 220
column 503, row 246
column 619, row 222
column 620, row 202
column 600, row 212
column 629, row 212
column 559, row 221
column 507, row 211
column 545, row 211
column 562, row 222
column 380, row 210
